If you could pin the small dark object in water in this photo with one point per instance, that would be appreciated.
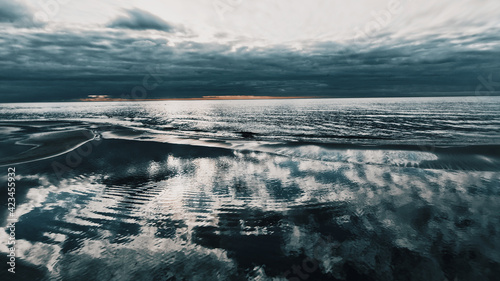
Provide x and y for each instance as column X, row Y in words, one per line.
column 247, row 135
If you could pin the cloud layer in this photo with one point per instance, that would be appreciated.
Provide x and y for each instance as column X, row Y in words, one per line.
column 140, row 52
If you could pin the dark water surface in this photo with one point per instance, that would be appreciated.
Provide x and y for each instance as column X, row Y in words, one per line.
column 346, row 189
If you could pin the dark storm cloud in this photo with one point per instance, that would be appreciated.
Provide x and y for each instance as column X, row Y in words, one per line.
column 43, row 66
column 12, row 11
column 141, row 20
column 17, row 14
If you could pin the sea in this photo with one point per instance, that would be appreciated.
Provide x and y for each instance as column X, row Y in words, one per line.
column 281, row 189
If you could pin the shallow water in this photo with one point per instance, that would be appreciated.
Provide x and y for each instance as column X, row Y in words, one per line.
column 242, row 200
column 454, row 120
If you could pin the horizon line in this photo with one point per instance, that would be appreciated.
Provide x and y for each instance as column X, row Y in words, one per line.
column 232, row 97
column 250, row 97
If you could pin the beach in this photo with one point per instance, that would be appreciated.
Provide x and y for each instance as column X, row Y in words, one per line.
column 155, row 202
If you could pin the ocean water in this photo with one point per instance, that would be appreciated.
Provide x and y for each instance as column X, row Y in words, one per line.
column 318, row 189
column 444, row 121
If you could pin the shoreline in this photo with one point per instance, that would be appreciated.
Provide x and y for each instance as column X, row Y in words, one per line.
column 246, row 98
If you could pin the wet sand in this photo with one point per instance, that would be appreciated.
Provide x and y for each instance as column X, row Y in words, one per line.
column 145, row 210
column 47, row 145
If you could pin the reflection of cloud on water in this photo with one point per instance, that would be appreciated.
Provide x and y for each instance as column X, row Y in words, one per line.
column 191, row 212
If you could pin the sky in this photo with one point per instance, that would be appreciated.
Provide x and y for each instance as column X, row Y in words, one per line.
column 68, row 50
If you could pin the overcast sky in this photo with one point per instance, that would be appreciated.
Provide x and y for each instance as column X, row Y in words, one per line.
column 57, row 50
